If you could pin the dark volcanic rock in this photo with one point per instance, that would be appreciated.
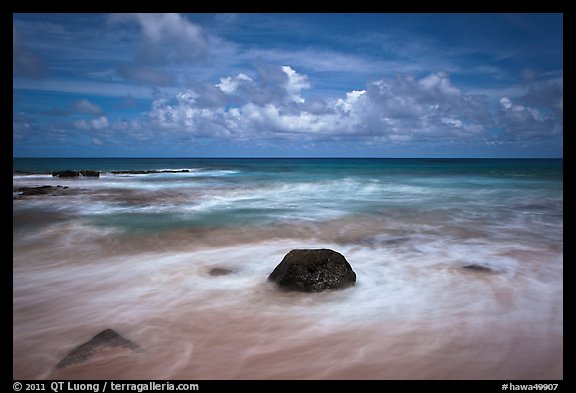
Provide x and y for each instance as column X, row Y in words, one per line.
column 66, row 174
column 89, row 173
column 313, row 271
column 479, row 268
column 146, row 172
column 219, row 271
column 106, row 339
column 69, row 173
column 40, row 190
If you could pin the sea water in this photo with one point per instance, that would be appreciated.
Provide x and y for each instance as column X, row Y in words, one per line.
column 133, row 252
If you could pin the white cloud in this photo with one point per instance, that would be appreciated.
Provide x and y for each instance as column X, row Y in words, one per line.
column 167, row 37
column 399, row 109
column 93, row 124
column 229, row 85
column 506, row 103
column 86, row 107
column 100, row 123
column 440, row 82
column 525, row 122
column 295, row 84
column 351, row 98
column 394, row 110
column 169, row 26
column 452, row 121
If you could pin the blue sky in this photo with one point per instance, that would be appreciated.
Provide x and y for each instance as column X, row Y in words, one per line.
column 287, row 85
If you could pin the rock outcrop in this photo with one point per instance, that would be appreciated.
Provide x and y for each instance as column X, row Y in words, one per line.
column 90, row 173
column 313, row 271
column 106, row 339
column 147, row 172
column 69, row 173
column 66, row 173
column 40, row 190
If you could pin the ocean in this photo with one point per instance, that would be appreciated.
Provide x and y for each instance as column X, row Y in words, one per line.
column 133, row 250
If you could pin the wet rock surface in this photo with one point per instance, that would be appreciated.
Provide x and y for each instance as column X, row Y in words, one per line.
column 145, row 172
column 106, row 339
column 313, row 270
column 90, row 173
column 40, row 190
column 219, row 271
column 67, row 173
column 479, row 268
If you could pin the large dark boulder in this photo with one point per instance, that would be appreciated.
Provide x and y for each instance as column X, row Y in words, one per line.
column 66, row 174
column 90, row 173
column 313, row 271
column 106, row 339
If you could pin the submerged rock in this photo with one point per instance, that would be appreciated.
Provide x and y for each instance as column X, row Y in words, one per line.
column 479, row 268
column 40, row 190
column 313, row 271
column 106, row 339
column 67, row 173
column 219, row 271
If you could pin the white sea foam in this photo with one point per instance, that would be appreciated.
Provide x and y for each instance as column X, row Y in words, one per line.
column 398, row 290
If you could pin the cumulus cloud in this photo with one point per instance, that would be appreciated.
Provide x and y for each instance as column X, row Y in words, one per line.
column 429, row 108
column 536, row 114
column 525, row 122
column 272, row 105
column 92, row 124
column 229, row 84
column 438, row 83
column 295, row 84
column 545, row 94
column 24, row 62
column 345, row 105
column 165, row 39
column 271, row 85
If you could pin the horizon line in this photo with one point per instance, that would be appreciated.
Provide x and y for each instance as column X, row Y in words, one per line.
column 292, row 157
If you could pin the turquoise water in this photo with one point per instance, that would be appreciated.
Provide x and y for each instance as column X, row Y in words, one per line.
column 132, row 252
column 233, row 192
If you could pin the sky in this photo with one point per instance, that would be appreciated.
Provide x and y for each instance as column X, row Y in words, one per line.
column 288, row 85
